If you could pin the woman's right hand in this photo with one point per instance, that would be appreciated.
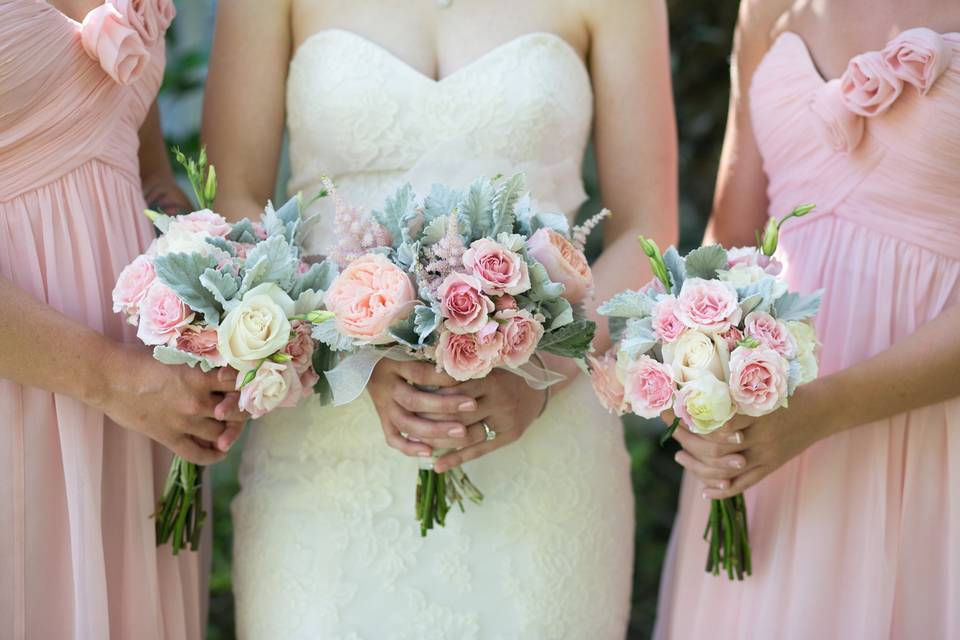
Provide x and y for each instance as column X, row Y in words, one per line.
column 400, row 406
column 179, row 407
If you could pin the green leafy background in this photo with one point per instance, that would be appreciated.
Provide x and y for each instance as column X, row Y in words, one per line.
column 700, row 32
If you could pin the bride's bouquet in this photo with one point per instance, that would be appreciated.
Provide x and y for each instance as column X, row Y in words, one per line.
column 467, row 279
column 715, row 334
column 211, row 294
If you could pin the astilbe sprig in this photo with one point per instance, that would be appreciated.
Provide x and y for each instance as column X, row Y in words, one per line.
column 356, row 230
column 580, row 233
column 446, row 256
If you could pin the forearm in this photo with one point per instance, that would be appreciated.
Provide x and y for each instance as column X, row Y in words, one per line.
column 46, row 349
column 917, row 371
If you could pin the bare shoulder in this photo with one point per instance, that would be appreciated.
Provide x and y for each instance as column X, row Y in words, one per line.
column 636, row 15
column 758, row 24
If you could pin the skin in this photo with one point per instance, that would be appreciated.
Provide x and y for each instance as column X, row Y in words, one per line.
column 917, row 371
column 181, row 408
column 624, row 45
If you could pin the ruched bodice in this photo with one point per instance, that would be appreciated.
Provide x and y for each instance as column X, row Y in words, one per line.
column 59, row 109
column 901, row 179
column 854, row 537
column 370, row 121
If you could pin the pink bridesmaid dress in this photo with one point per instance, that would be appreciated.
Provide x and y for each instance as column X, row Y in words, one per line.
column 858, row 537
column 77, row 545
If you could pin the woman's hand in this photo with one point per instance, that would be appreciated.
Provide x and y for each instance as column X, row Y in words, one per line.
column 184, row 409
column 746, row 450
column 403, row 408
column 504, row 402
column 166, row 196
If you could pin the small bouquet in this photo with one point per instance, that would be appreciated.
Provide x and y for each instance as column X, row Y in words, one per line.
column 715, row 334
column 469, row 279
column 212, row 294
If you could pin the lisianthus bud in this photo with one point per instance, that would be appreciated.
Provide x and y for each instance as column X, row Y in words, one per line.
column 652, row 251
column 318, row 316
column 771, row 236
column 210, row 189
column 281, row 357
column 749, row 341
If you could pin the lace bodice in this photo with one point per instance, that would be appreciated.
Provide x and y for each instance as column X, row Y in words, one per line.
column 368, row 120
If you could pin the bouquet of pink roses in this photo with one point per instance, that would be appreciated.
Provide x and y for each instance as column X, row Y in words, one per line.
column 469, row 279
column 212, row 294
column 715, row 334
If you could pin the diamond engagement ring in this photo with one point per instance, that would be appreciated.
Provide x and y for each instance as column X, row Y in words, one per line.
column 488, row 433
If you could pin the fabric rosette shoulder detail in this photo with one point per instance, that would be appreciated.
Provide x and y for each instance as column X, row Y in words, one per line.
column 120, row 33
column 874, row 81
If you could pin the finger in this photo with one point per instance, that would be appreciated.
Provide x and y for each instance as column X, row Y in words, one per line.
column 424, row 375
column 704, row 471
column 733, row 431
column 223, row 379
column 702, row 448
column 738, row 485
column 457, row 458
column 472, row 388
column 189, row 450
column 475, row 435
column 423, row 429
column 206, row 429
column 228, row 409
column 416, row 401
column 395, row 440
column 230, row 435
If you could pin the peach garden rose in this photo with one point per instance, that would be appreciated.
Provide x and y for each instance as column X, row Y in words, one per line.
column 368, row 297
column 564, row 263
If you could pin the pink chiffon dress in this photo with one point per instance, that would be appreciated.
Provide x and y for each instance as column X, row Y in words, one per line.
column 858, row 536
column 78, row 557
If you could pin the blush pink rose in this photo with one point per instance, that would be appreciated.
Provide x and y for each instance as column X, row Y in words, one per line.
column 732, row 336
column 466, row 356
column 498, row 269
column 132, row 285
column 839, row 127
column 521, row 335
column 162, row 315
column 707, row 305
column 300, row 348
column 918, row 57
column 201, row 341
column 308, row 378
column 751, row 256
column 606, row 382
column 564, row 263
column 463, row 303
column 506, row 302
column 769, row 332
column 201, row 222
column 758, row 380
column 108, row 37
column 648, row 386
column 369, row 296
column 666, row 324
column 274, row 385
column 868, row 86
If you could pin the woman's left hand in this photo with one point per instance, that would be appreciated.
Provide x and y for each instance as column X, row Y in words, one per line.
column 504, row 402
column 746, row 450
column 165, row 196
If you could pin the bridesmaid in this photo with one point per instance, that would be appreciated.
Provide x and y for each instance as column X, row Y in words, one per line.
column 853, row 490
column 79, row 474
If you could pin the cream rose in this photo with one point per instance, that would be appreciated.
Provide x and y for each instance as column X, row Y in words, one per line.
column 695, row 354
column 257, row 328
column 704, row 405
column 805, row 340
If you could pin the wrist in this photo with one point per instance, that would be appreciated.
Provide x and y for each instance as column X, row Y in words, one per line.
column 99, row 383
column 826, row 398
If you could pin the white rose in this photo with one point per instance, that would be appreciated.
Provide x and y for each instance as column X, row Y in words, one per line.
column 742, row 275
column 181, row 240
column 695, row 354
column 704, row 404
column 805, row 338
column 257, row 328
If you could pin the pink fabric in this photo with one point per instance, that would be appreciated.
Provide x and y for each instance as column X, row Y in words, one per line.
column 77, row 546
column 857, row 537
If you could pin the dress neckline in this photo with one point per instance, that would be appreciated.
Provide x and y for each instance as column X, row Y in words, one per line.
column 70, row 19
column 498, row 49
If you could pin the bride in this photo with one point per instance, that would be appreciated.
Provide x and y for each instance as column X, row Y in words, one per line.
column 376, row 94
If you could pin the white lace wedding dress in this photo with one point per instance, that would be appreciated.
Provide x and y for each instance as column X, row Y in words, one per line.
column 326, row 543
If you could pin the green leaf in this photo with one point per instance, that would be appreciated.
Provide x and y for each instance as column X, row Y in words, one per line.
column 405, row 333
column 571, row 341
column 504, row 200
column 541, row 287
column 793, row 306
column 638, row 337
column 558, row 313
column 398, row 211
column 545, row 220
column 326, row 332
column 757, row 296
column 242, row 231
column 318, row 278
column 273, row 260
column 705, row 262
column 434, row 232
column 617, row 327
column 223, row 286
column 676, row 268
column 162, row 222
column 181, row 272
column 407, row 255
column 628, row 304
column 171, row 356
column 441, row 201
column 477, row 207
column 426, row 320
column 221, row 244
column 324, row 359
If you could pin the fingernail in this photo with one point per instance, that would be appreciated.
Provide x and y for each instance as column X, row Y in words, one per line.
column 722, row 484
column 423, row 454
column 457, row 432
column 467, row 406
column 736, row 438
column 736, row 463
column 703, row 494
